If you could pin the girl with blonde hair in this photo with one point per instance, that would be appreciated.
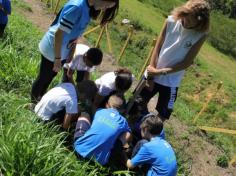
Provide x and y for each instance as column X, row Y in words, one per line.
column 181, row 38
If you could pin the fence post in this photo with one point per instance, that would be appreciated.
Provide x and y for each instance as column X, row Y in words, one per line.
column 233, row 161
column 108, row 39
column 131, row 30
column 207, row 102
column 148, row 59
column 91, row 30
column 100, row 36
column 57, row 4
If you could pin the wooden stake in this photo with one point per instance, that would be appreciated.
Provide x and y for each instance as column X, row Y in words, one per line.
column 233, row 161
column 91, row 30
column 100, row 37
column 219, row 130
column 57, row 4
column 148, row 59
column 131, row 30
column 108, row 39
column 207, row 102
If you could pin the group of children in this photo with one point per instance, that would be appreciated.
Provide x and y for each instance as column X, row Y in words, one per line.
column 102, row 132
column 98, row 109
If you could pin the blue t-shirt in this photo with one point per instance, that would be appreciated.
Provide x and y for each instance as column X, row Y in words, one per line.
column 159, row 155
column 72, row 19
column 98, row 141
column 7, row 6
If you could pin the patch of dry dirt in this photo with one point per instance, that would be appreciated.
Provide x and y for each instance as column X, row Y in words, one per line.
column 201, row 152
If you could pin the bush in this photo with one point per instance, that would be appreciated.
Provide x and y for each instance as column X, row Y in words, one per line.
column 223, row 33
column 222, row 161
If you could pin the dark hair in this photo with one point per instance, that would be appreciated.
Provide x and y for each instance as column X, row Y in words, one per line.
column 153, row 123
column 88, row 88
column 94, row 55
column 106, row 15
column 123, row 79
column 139, row 105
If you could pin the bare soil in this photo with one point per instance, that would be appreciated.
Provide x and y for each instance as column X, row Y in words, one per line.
column 194, row 145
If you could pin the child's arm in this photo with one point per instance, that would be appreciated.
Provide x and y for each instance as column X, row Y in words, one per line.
column 69, row 74
column 129, row 164
column 71, row 54
column 67, row 120
column 158, row 45
column 188, row 60
column 57, row 48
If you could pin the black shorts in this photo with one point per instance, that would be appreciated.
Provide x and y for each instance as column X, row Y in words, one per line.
column 81, row 127
column 2, row 27
column 166, row 99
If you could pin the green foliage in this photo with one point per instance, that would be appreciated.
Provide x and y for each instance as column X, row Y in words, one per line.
column 222, row 161
column 22, row 5
column 42, row 156
column 223, row 34
column 167, row 6
column 228, row 7
column 27, row 146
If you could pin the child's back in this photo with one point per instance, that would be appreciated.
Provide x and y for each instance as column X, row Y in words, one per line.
column 159, row 155
column 62, row 96
column 98, row 141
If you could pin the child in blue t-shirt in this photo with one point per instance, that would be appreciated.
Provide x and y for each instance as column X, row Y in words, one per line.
column 5, row 10
column 153, row 151
column 96, row 139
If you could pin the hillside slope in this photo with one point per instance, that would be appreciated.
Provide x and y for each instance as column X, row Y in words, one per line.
column 195, row 152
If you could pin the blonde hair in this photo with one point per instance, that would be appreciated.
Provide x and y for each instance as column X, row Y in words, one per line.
column 200, row 9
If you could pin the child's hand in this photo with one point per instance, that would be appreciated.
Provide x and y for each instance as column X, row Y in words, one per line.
column 57, row 65
column 70, row 73
column 151, row 71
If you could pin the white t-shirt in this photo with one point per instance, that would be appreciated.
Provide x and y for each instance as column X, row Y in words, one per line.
column 106, row 83
column 62, row 96
column 78, row 62
column 178, row 41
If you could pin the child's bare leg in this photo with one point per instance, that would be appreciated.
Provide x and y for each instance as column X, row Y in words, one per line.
column 82, row 125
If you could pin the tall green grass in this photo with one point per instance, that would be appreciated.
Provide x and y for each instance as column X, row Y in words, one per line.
column 19, row 57
column 27, row 147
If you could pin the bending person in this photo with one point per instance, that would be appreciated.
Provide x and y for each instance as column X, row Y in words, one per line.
column 56, row 45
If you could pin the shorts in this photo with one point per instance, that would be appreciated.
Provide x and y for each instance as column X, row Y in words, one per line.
column 2, row 27
column 81, row 127
column 166, row 99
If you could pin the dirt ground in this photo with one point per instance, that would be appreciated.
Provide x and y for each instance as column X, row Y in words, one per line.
column 195, row 146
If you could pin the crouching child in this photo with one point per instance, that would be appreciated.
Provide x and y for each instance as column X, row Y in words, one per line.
column 95, row 139
column 61, row 102
column 153, row 152
column 83, row 62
